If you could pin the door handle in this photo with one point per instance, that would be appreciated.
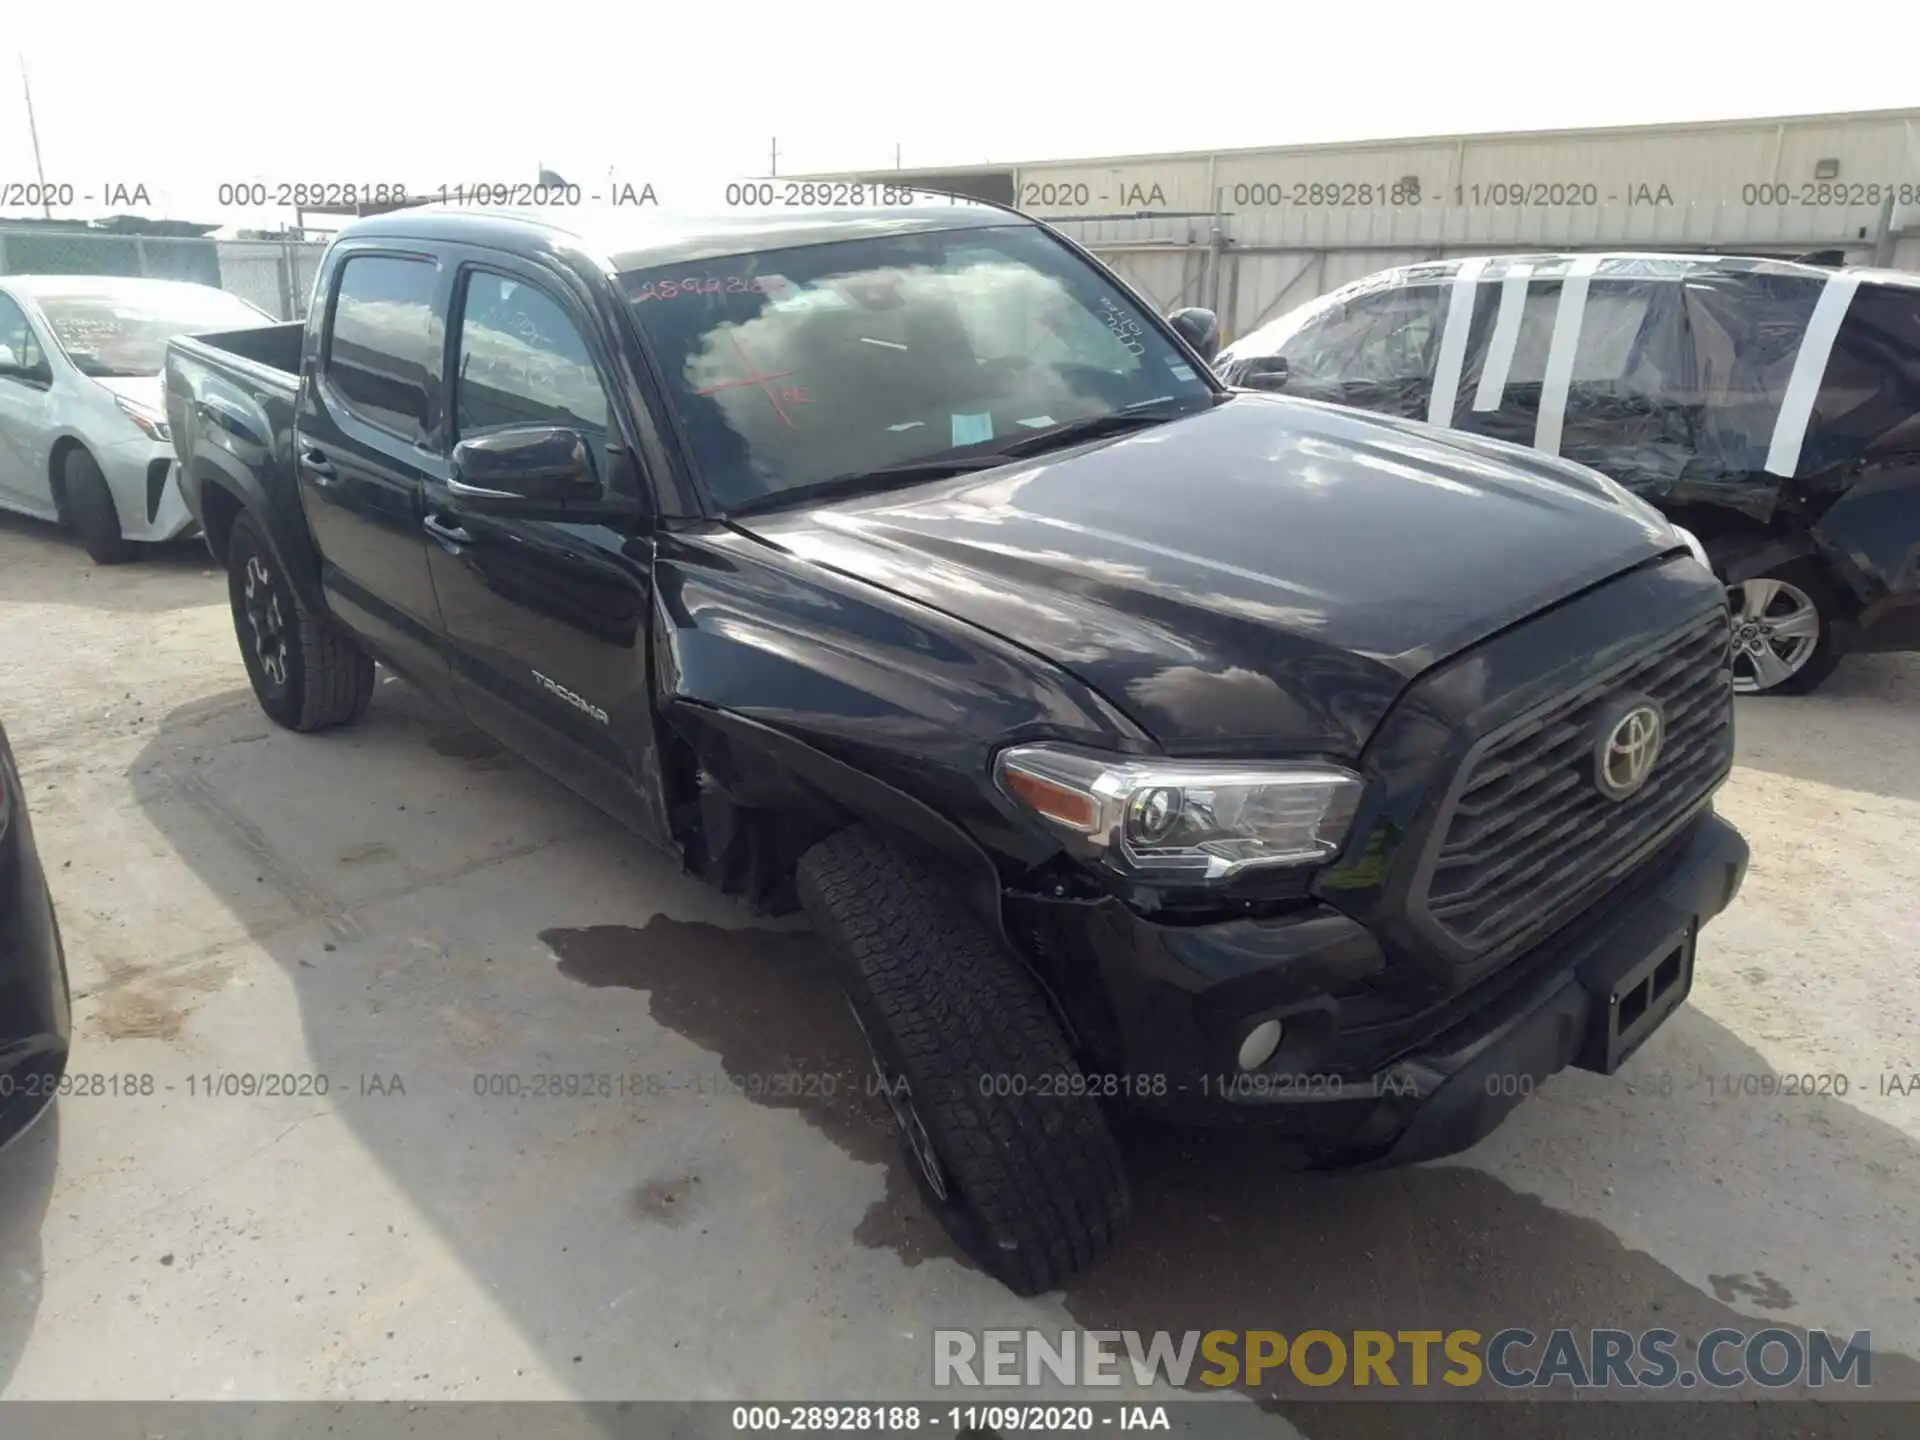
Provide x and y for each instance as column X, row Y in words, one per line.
column 452, row 538
column 319, row 467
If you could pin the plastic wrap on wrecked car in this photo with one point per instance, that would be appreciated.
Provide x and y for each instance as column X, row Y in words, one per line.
column 1754, row 386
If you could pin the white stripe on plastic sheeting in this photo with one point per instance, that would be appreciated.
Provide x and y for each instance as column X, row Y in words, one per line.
column 1809, row 369
column 1506, row 334
column 1453, row 342
column 1566, row 342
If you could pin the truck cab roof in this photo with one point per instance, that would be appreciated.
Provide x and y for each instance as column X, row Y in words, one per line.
column 631, row 237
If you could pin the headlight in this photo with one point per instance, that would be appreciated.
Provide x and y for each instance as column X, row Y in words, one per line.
column 1192, row 821
column 1693, row 544
column 151, row 425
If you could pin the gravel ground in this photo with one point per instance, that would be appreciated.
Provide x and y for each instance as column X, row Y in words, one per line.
column 401, row 908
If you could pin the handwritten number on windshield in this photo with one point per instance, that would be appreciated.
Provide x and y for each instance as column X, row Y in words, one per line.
column 709, row 285
column 779, row 399
column 1126, row 331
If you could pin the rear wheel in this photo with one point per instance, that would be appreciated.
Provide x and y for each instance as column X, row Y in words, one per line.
column 1011, row 1154
column 88, row 507
column 306, row 674
column 1783, row 631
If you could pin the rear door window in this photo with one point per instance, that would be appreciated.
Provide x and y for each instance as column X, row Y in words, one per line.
column 1745, row 333
column 380, row 345
column 1629, row 382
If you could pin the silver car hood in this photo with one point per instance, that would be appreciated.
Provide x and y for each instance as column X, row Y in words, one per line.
column 146, row 391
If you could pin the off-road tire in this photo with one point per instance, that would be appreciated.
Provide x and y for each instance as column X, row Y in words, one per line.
column 1038, row 1189
column 1807, row 577
column 328, row 679
column 87, row 505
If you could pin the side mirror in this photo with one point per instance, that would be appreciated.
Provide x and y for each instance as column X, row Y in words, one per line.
column 8, row 360
column 1264, row 372
column 527, row 467
column 1199, row 328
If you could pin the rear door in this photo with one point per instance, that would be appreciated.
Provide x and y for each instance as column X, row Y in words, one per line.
column 1860, row 460
column 547, row 620
column 369, row 436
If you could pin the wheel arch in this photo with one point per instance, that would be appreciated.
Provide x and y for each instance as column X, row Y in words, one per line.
column 223, row 492
column 57, row 453
column 1742, row 547
column 762, row 771
column 219, row 508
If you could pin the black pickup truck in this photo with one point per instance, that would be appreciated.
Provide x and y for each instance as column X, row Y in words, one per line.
column 1127, row 738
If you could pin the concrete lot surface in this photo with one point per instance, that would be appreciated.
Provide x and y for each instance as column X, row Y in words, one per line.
column 400, row 907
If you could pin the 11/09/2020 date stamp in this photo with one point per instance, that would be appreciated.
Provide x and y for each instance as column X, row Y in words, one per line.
column 504, row 194
column 205, row 1085
column 60, row 194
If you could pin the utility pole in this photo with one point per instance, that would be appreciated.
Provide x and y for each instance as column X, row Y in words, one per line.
column 773, row 158
column 46, row 206
column 896, row 154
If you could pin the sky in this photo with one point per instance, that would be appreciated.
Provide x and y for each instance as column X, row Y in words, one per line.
column 182, row 99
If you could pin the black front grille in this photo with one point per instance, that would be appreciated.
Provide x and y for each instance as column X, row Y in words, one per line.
column 1530, row 836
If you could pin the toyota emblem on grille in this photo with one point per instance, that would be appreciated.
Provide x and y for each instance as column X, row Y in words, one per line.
column 1628, row 746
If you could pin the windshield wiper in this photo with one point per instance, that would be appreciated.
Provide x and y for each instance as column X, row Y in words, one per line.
column 1092, row 427
column 886, row 477
column 913, row 472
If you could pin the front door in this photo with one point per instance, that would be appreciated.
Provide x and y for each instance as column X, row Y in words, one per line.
column 546, row 620
column 25, row 400
column 365, row 442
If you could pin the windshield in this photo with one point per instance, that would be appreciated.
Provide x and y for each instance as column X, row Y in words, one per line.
column 794, row 367
column 1270, row 337
column 110, row 336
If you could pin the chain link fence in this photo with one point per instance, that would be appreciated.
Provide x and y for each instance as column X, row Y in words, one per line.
column 276, row 275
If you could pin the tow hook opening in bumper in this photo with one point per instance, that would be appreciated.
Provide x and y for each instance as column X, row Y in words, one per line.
column 1635, row 1005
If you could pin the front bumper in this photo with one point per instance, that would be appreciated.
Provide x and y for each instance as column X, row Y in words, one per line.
column 35, row 1016
column 144, row 479
column 1160, row 1010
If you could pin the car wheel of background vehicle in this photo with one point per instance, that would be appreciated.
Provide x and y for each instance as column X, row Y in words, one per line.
column 1029, row 1182
column 1783, row 630
column 87, row 505
column 305, row 673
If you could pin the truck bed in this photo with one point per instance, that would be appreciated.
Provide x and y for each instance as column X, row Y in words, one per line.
column 231, row 399
column 271, row 347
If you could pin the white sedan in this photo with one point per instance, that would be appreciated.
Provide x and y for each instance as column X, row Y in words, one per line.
column 83, row 425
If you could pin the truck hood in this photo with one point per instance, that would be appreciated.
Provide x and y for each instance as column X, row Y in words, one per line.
column 1269, row 574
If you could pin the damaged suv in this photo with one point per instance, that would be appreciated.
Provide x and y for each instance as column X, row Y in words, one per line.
column 1771, row 407
column 1127, row 739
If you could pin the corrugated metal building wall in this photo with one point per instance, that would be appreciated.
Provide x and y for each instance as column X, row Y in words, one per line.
column 276, row 275
column 1253, row 232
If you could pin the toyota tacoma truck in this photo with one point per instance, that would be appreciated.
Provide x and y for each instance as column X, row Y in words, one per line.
column 1127, row 738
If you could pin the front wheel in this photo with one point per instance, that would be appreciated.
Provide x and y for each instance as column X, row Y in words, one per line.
column 1783, row 641
column 87, row 505
column 306, row 674
column 1006, row 1148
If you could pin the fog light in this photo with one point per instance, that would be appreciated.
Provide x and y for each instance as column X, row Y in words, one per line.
column 1260, row 1044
